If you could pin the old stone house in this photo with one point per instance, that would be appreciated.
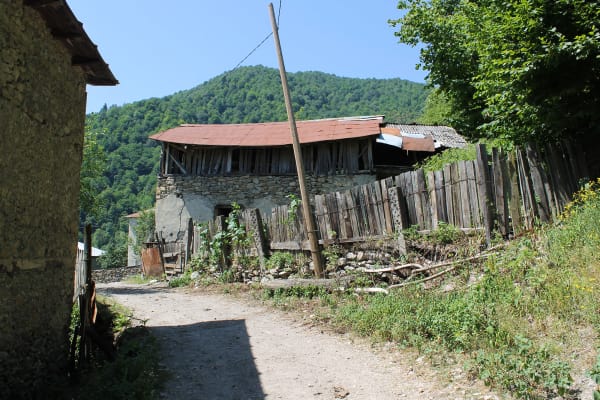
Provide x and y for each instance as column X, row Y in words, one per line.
column 204, row 168
column 46, row 60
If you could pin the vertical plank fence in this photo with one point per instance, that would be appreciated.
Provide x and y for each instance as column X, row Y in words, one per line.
column 507, row 192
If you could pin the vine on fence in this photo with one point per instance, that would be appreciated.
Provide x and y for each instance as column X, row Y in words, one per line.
column 293, row 208
column 234, row 239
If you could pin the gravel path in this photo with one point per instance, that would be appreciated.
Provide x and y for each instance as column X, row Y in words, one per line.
column 218, row 347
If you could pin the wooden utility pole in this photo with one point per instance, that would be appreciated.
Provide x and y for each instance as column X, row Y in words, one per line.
column 308, row 216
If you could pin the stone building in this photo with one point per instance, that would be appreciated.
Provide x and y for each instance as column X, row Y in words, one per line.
column 46, row 59
column 204, row 168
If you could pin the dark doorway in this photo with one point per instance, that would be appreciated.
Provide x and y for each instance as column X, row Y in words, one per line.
column 223, row 210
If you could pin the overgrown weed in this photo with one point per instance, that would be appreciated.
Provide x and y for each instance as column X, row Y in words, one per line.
column 134, row 374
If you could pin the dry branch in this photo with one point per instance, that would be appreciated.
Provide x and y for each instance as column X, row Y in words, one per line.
column 371, row 290
column 424, row 279
column 390, row 269
column 453, row 265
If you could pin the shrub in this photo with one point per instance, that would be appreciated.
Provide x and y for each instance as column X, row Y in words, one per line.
column 281, row 259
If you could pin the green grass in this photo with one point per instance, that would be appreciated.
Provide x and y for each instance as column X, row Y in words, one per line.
column 506, row 322
column 516, row 325
column 134, row 374
column 182, row 280
column 139, row 279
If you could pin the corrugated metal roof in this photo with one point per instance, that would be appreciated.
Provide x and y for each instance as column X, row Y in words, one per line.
column 271, row 133
column 443, row 136
column 95, row 251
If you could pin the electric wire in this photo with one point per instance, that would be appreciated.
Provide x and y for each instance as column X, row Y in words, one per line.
column 262, row 42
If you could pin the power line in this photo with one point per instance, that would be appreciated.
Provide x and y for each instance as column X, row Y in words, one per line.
column 262, row 42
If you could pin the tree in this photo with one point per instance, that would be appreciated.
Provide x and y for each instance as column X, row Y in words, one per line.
column 93, row 166
column 144, row 230
column 516, row 69
column 116, row 252
column 437, row 110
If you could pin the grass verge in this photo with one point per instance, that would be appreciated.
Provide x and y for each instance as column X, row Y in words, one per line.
column 135, row 374
column 514, row 317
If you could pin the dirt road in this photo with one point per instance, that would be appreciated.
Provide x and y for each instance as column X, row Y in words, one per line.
column 218, row 347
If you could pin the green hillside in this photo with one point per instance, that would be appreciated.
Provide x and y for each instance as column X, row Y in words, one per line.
column 247, row 94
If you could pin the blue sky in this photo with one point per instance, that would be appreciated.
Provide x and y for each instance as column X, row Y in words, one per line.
column 156, row 48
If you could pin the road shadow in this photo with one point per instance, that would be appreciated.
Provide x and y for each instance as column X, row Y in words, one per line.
column 209, row 360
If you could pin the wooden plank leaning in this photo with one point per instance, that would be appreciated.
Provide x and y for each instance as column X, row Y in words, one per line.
column 537, row 181
column 456, row 196
column 385, row 185
column 473, row 195
column 514, row 196
column 423, row 198
column 500, row 182
column 440, row 191
column 431, row 188
column 448, row 195
column 486, row 201
column 529, row 204
column 463, row 184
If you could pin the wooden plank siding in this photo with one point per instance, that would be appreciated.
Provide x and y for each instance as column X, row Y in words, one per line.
column 345, row 156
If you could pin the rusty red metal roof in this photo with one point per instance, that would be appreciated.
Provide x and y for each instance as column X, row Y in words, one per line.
column 418, row 144
column 270, row 133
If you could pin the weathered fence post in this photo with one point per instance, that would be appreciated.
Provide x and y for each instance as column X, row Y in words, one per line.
column 501, row 190
column 433, row 201
column 538, row 179
column 485, row 192
column 399, row 215
column 530, row 207
column 448, row 195
column 385, row 185
column 514, row 195
column 255, row 226
column 190, row 241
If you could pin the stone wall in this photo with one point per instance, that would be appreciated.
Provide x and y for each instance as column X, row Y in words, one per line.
column 115, row 274
column 181, row 197
column 42, row 109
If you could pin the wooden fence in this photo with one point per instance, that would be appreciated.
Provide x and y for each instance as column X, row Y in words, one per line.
column 507, row 192
column 85, row 294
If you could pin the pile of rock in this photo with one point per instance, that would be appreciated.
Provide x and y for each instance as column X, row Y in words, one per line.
column 364, row 259
column 349, row 262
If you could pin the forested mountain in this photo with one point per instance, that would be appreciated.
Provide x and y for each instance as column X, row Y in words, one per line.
column 247, row 94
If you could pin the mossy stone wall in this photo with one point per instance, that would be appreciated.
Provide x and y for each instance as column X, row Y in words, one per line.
column 42, row 113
